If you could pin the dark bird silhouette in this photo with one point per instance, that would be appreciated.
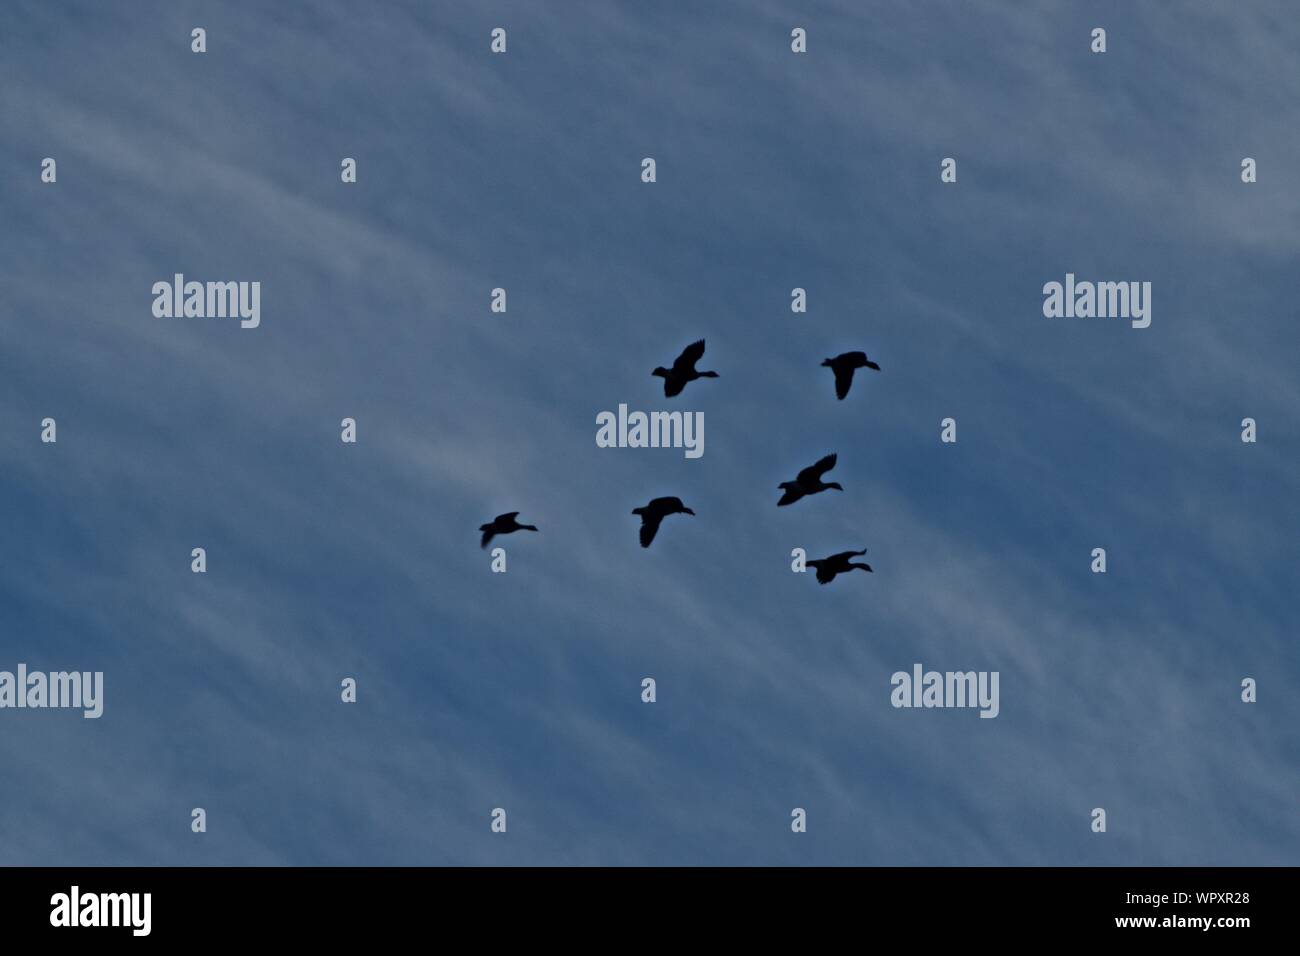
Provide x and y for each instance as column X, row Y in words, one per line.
column 809, row 482
column 843, row 367
column 827, row 568
column 655, row 512
column 502, row 524
column 683, row 370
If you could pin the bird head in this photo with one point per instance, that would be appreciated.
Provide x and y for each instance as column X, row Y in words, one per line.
column 827, row 362
column 661, row 372
column 687, row 511
column 835, row 484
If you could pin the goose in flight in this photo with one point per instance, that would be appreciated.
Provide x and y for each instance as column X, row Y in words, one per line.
column 843, row 367
column 827, row 568
column 502, row 524
column 683, row 370
column 655, row 512
column 808, row 482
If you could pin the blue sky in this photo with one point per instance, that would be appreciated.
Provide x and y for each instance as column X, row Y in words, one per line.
column 522, row 690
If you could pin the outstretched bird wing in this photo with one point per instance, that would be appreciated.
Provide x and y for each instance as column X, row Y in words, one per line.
column 649, row 526
column 813, row 473
column 792, row 494
column 505, row 518
column 843, row 556
column 690, row 355
column 487, row 536
column 824, row 572
column 843, row 380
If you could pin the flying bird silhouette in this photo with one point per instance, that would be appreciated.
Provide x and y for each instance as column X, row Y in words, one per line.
column 683, row 370
column 843, row 367
column 502, row 524
column 827, row 568
column 808, row 482
column 655, row 512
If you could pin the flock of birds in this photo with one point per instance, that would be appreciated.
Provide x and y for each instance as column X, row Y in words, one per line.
column 809, row 481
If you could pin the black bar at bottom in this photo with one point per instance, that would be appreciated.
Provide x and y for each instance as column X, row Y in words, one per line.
column 334, row 906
